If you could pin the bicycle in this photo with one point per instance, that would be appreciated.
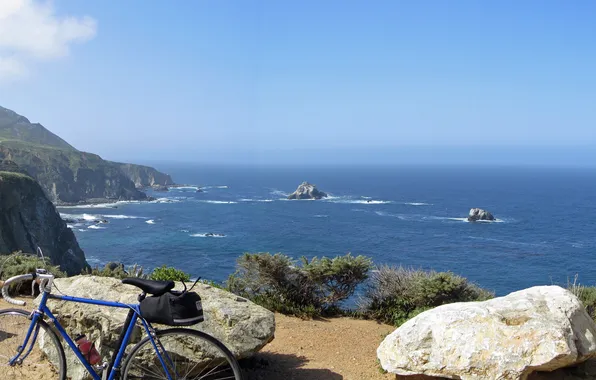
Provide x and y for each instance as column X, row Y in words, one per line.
column 173, row 353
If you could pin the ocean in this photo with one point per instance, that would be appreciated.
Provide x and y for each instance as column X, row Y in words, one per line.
column 545, row 231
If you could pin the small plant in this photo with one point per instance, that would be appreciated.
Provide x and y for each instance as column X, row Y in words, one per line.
column 20, row 263
column 586, row 294
column 308, row 289
column 396, row 294
column 116, row 270
column 165, row 273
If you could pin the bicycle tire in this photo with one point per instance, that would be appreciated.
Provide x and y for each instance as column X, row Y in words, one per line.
column 144, row 347
column 36, row 361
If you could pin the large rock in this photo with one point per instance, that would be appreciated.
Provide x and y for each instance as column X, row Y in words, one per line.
column 538, row 329
column 238, row 323
column 307, row 191
column 477, row 214
column 29, row 220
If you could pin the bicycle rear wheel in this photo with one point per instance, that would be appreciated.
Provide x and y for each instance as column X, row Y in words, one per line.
column 14, row 324
column 188, row 354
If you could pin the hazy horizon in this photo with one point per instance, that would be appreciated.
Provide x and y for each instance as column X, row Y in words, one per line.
column 307, row 83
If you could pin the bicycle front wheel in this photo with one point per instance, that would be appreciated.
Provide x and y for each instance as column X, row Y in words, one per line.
column 45, row 359
column 187, row 354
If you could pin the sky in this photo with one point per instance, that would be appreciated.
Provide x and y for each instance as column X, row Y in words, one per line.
column 307, row 81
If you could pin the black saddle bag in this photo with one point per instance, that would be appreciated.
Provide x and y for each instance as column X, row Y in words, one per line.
column 173, row 308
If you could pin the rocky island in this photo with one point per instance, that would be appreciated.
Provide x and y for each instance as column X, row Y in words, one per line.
column 68, row 175
column 477, row 214
column 307, row 191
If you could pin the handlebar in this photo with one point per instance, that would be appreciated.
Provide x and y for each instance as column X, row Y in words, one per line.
column 23, row 277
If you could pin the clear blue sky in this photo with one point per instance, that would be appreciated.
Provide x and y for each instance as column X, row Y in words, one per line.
column 215, row 81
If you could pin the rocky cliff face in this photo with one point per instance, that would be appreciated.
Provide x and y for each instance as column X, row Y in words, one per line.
column 145, row 176
column 29, row 219
column 66, row 174
column 71, row 176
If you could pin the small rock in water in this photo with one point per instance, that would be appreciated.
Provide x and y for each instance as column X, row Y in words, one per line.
column 307, row 191
column 477, row 214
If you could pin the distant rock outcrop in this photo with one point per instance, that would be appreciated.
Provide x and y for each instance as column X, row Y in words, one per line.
column 145, row 176
column 307, row 191
column 543, row 328
column 477, row 214
column 28, row 219
column 242, row 326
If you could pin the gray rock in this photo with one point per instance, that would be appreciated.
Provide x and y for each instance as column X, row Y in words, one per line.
column 238, row 323
column 477, row 214
column 307, row 191
column 28, row 219
column 543, row 328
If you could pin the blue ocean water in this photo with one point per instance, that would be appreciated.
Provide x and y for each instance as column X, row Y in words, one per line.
column 410, row 216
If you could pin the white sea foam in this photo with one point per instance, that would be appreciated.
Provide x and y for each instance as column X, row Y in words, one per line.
column 123, row 217
column 321, row 216
column 216, row 187
column 255, row 200
column 418, row 204
column 383, row 213
column 71, row 226
column 96, row 227
column 206, row 235
column 185, row 231
column 81, row 230
column 150, row 221
column 217, row 202
column 185, row 188
column 166, row 200
column 89, row 217
column 359, row 201
column 447, row 218
column 278, row 193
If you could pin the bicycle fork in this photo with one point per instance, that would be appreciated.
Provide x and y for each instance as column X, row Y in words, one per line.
column 33, row 329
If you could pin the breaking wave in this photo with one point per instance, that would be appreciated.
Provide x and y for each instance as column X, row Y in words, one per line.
column 418, row 204
column 150, row 221
column 96, row 227
column 255, row 200
column 208, row 235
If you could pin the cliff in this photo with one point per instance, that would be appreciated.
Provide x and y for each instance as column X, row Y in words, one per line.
column 70, row 176
column 29, row 219
column 66, row 174
column 145, row 176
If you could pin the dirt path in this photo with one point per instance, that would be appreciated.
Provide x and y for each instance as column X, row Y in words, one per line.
column 332, row 349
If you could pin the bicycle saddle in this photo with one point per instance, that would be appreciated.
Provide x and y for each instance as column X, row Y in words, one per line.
column 156, row 288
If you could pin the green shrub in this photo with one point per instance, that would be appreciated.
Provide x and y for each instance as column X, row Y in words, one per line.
column 396, row 294
column 117, row 270
column 306, row 289
column 586, row 294
column 20, row 263
column 165, row 273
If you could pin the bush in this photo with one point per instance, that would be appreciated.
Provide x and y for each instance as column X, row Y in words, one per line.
column 396, row 294
column 117, row 270
column 306, row 289
column 586, row 294
column 19, row 263
column 164, row 273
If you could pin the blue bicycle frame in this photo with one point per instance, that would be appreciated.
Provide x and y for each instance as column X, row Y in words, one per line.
column 127, row 330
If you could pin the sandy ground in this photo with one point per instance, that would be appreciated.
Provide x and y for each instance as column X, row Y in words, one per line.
column 326, row 349
column 331, row 349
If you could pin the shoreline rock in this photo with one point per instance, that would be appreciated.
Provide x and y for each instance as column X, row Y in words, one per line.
column 307, row 191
